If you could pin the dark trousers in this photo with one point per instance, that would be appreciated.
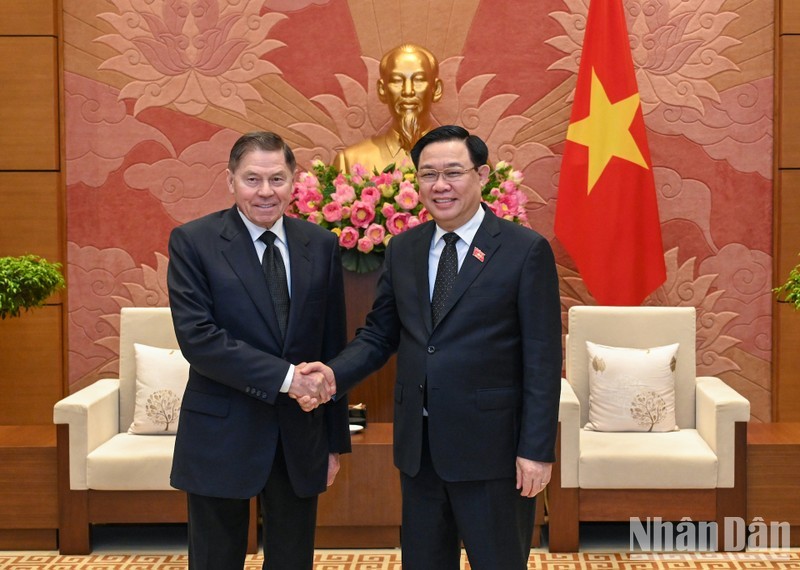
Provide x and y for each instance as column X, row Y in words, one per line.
column 218, row 527
column 490, row 517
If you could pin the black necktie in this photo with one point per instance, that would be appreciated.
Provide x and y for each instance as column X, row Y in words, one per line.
column 445, row 276
column 275, row 274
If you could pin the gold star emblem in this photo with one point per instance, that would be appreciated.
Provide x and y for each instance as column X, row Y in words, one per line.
column 606, row 131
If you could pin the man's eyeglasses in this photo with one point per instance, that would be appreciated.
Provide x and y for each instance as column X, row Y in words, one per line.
column 431, row 175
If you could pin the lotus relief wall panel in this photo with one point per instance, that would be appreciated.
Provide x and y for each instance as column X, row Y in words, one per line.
column 157, row 91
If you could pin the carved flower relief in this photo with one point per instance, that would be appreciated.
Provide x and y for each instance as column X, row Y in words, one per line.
column 677, row 46
column 190, row 53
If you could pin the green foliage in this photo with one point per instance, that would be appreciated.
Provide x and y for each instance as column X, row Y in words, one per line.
column 789, row 292
column 26, row 282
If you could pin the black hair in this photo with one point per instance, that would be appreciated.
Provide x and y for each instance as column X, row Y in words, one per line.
column 478, row 152
column 260, row 140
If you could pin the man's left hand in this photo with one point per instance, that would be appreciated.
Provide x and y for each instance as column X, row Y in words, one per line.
column 333, row 467
column 532, row 476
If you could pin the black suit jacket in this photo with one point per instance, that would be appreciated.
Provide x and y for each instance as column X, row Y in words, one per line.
column 232, row 412
column 491, row 367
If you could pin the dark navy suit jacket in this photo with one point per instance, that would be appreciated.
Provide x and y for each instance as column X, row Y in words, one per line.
column 491, row 367
column 232, row 413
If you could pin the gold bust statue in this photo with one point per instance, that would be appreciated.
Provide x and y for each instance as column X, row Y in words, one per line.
column 409, row 84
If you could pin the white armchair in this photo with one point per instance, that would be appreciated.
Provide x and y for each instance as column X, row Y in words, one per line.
column 107, row 475
column 698, row 471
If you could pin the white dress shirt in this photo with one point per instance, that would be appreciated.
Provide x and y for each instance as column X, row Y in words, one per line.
column 465, row 233
column 282, row 245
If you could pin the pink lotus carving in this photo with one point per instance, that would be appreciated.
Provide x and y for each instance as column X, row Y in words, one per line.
column 190, row 53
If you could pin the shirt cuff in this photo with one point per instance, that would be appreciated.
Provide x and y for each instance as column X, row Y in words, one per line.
column 287, row 382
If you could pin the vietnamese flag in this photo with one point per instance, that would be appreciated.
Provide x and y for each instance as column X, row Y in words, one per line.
column 607, row 211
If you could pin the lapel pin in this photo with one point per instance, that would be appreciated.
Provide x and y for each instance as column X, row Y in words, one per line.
column 478, row 254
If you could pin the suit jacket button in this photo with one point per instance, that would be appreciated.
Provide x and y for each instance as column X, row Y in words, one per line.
column 431, row 349
column 421, row 388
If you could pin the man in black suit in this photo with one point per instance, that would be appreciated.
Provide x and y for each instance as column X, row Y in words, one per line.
column 248, row 305
column 470, row 303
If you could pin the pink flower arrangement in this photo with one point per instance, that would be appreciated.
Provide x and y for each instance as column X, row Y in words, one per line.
column 366, row 210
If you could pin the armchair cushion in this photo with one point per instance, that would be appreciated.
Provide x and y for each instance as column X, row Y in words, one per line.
column 161, row 376
column 631, row 389
column 669, row 460
column 131, row 463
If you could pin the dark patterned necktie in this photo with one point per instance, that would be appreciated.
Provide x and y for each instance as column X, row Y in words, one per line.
column 275, row 274
column 445, row 276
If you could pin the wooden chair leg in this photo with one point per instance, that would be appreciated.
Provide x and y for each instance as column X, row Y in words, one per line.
column 563, row 512
column 732, row 502
column 252, row 527
column 74, row 534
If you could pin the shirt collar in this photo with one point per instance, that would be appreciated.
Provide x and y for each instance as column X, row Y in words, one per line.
column 466, row 232
column 255, row 231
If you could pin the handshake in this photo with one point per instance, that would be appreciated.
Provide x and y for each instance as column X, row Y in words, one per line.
column 313, row 384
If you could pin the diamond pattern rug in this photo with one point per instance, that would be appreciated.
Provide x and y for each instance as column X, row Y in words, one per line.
column 390, row 560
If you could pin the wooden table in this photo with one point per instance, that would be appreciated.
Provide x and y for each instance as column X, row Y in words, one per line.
column 773, row 474
column 28, row 488
column 362, row 508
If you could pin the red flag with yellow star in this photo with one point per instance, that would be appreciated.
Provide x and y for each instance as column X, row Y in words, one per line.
column 607, row 211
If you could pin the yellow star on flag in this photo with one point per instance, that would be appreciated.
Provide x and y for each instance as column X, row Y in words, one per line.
column 606, row 131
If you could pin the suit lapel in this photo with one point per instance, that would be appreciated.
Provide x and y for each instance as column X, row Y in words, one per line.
column 240, row 253
column 487, row 242
column 300, row 267
column 420, row 252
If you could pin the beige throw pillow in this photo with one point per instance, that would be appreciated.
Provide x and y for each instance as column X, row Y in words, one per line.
column 161, row 375
column 631, row 389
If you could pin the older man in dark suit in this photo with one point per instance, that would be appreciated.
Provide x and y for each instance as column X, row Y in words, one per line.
column 254, row 293
column 470, row 303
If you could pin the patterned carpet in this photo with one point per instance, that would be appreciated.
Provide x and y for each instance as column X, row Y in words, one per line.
column 390, row 560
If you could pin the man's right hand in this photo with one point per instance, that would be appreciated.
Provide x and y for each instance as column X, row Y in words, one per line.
column 315, row 370
column 310, row 387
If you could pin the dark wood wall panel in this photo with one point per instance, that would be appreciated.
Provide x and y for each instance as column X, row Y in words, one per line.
column 28, row 17
column 31, row 366
column 30, row 205
column 787, row 320
column 789, row 94
column 29, row 138
column 790, row 17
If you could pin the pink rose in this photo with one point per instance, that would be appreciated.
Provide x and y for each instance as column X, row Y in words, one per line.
column 407, row 198
column 308, row 200
column 371, row 195
column 345, row 212
column 413, row 222
column 365, row 245
column 362, row 214
column 382, row 178
column 424, row 215
column 308, row 181
column 332, row 211
column 398, row 223
column 387, row 210
column 348, row 238
column 344, row 194
column 359, row 171
column 508, row 186
column 340, row 180
column 315, row 217
column 376, row 233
